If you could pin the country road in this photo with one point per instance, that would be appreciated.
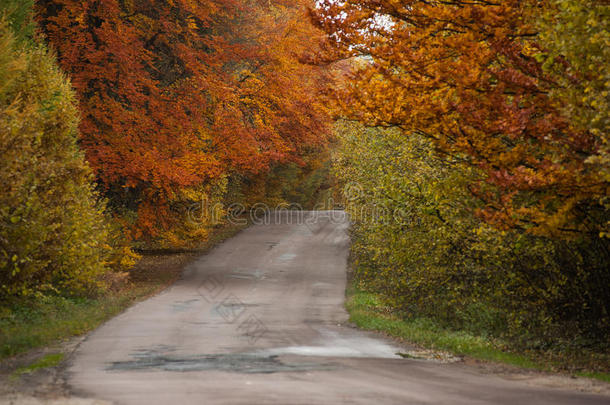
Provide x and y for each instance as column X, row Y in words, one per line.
column 260, row 320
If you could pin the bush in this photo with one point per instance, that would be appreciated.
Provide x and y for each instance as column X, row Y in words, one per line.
column 53, row 233
column 417, row 241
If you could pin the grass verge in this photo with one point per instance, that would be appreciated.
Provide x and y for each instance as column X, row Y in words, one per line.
column 50, row 360
column 367, row 312
column 50, row 319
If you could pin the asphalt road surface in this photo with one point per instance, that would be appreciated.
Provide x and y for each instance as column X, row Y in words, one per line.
column 260, row 320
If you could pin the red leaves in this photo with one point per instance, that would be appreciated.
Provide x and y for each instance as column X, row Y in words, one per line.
column 165, row 102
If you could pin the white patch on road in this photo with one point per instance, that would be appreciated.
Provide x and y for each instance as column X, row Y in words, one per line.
column 287, row 257
column 332, row 344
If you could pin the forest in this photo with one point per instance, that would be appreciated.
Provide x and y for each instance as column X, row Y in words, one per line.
column 479, row 129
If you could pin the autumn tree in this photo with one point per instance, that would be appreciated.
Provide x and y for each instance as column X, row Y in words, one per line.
column 575, row 35
column 177, row 96
column 480, row 128
column 468, row 76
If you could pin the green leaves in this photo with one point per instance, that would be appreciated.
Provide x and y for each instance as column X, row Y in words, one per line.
column 436, row 258
column 576, row 39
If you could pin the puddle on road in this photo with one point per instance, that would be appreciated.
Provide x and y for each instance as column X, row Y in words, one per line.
column 238, row 363
column 328, row 351
column 338, row 343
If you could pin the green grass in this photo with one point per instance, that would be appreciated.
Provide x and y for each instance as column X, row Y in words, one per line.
column 49, row 319
column 367, row 312
column 50, row 360
column 598, row 376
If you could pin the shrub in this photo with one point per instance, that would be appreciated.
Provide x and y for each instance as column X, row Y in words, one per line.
column 417, row 241
column 53, row 233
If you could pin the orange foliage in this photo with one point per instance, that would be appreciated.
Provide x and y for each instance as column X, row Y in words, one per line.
column 177, row 94
column 465, row 75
